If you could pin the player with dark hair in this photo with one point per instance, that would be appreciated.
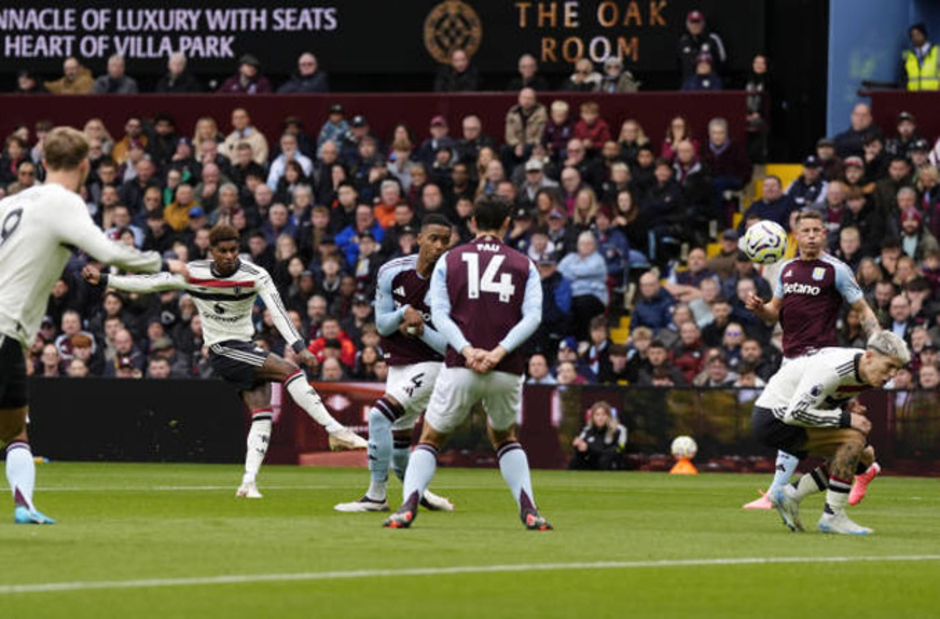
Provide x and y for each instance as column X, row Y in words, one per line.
column 808, row 408
column 414, row 351
column 486, row 300
column 39, row 229
column 807, row 300
column 224, row 290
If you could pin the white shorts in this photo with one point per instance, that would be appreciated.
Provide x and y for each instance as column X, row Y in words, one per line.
column 411, row 386
column 458, row 389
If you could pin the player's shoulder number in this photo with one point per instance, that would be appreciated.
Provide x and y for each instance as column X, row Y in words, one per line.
column 10, row 223
column 488, row 281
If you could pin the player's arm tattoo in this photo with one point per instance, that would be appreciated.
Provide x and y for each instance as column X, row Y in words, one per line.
column 869, row 321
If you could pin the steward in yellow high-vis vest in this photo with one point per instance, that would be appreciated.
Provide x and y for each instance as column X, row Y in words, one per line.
column 920, row 64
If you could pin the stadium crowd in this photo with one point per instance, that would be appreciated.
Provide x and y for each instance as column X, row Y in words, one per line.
column 618, row 220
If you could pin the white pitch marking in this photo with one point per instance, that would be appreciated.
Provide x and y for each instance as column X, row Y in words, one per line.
column 232, row 579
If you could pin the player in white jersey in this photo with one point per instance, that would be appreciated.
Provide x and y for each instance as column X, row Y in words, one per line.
column 414, row 351
column 808, row 408
column 224, row 290
column 39, row 230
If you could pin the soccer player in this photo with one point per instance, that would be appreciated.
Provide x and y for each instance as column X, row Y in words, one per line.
column 414, row 351
column 486, row 300
column 807, row 301
column 39, row 230
column 224, row 290
column 807, row 409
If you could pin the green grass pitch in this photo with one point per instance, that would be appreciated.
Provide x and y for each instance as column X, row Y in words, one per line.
column 172, row 541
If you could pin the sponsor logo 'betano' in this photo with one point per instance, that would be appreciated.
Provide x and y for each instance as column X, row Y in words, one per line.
column 801, row 289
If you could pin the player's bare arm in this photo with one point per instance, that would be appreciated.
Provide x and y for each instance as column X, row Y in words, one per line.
column 867, row 316
column 768, row 312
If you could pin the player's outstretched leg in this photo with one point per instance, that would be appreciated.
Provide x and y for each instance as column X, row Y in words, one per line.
column 259, row 437
column 306, row 398
column 421, row 468
column 514, row 465
column 867, row 470
column 784, row 467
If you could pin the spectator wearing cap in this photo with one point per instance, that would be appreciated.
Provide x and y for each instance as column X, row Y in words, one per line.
column 458, row 76
column 177, row 79
column 919, row 68
column 705, row 77
column 248, row 80
column 915, row 241
column 27, row 84
column 437, row 139
column 243, row 132
column 177, row 213
column 115, row 81
column 75, row 80
column 528, row 76
column 556, row 307
column 359, row 130
column 744, row 269
column 535, row 181
column 854, row 175
column 335, row 127
column 307, row 78
column 919, row 154
column 616, row 79
column 852, row 140
column 722, row 263
column 698, row 40
column 831, row 164
column 906, row 136
column 519, row 236
column 360, row 316
column 612, row 244
column 809, row 189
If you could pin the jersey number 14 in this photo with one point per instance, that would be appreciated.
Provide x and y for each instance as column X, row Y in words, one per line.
column 475, row 284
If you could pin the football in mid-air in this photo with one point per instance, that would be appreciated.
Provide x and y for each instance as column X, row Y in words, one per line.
column 765, row 242
column 684, row 447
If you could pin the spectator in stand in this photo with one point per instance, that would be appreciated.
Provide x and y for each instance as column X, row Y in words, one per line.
column 587, row 272
column 907, row 135
column 330, row 330
column 920, row 65
column 51, row 362
column 698, row 192
column 717, row 372
column 698, row 40
column 705, row 77
column 677, row 131
column 438, row 139
column 831, row 164
column 773, row 205
column 653, row 308
column 616, row 79
column 206, row 131
column 115, row 82
column 248, row 80
column 915, row 241
column 584, row 78
column 600, row 445
column 809, row 189
column 27, row 84
column 25, row 177
column 289, row 153
column 244, row 133
column 876, row 159
column 132, row 192
column 334, row 128
column 758, row 103
column 528, row 76
column 688, row 354
column 631, row 139
column 684, row 285
column 556, row 307
column 525, row 125
column 347, row 240
column 886, row 192
column 459, row 76
column 134, row 137
column 468, row 147
column 178, row 212
column 558, row 131
column 660, row 367
column 177, row 79
column 662, row 210
column 389, row 199
column 832, row 208
column 538, row 371
column 591, row 129
column 307, row 78
column 75, row 80
column 851, row 141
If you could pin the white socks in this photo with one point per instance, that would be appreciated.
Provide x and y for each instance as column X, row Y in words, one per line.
column 307, row 399
column 21, row 473
column 259, row 437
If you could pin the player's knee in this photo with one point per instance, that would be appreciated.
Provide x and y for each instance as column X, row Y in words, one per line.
column 385, row 410
column 868, row 455
column 12, row 425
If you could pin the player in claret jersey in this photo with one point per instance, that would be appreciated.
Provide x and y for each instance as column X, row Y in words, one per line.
column 807, row 301
column 39, row 230
column 224, row 290
column 486, row 300
column 414, row 351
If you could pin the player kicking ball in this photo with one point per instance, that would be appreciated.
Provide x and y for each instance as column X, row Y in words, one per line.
column 39, row 229
column 807, row 410
column 224, row 290
column 486, row 300
column 414, row 351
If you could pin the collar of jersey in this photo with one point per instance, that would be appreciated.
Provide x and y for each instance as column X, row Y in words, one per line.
column 216, row 273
